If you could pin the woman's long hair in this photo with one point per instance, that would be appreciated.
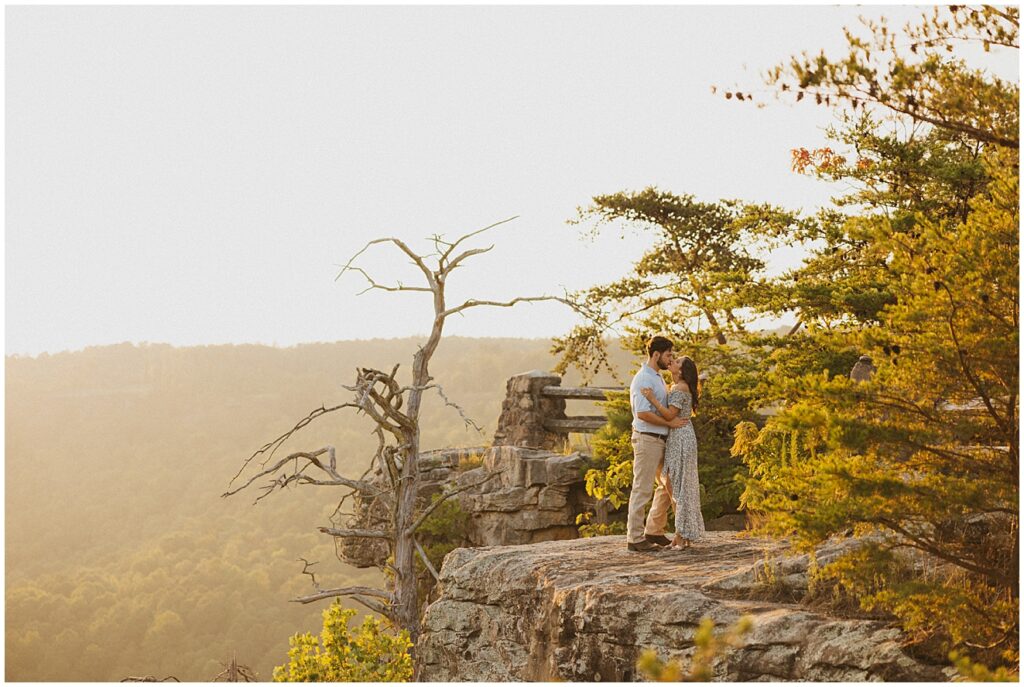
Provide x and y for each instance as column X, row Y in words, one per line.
column 688, row 371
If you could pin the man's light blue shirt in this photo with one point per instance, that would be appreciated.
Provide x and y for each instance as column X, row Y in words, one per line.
column 647, row 377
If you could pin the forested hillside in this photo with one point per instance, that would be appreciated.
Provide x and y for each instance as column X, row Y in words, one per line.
column 123, row 559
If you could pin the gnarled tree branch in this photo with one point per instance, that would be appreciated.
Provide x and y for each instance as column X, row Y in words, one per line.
column 426, row 561
column 313, row 458
column 272, row 446
column 473, row 303
column 356, row 533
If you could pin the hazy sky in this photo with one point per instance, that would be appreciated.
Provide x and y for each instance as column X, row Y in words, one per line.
column 195, row 175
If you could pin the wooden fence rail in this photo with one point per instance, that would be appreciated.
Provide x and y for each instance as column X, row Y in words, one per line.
column 582, row 423
column 586, row 393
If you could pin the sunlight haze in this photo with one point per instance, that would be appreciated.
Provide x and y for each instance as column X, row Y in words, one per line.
column 196, row 175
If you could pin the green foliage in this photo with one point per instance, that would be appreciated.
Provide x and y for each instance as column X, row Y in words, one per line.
column 726, row 399
column 913, row 74
column 371, row 653
column 976, row 672
column 598, row 529
column 929, row 601
column 704, row 265
column 921, row 273
column 916, row 265
column 467, row 463
column 443, row 531
column 709, row 647
column 612, row 474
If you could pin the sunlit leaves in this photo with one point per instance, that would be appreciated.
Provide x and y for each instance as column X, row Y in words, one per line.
column 912, row 73
column 919, row 270
column 371, row 652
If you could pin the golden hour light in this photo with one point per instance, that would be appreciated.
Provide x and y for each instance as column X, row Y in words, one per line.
column 512, row 343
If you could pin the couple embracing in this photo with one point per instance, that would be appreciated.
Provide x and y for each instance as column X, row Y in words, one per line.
column 664, row 451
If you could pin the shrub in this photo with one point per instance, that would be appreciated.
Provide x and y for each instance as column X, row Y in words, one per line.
column 371, row 654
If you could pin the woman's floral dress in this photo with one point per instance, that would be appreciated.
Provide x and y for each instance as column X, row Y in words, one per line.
column 681, row 466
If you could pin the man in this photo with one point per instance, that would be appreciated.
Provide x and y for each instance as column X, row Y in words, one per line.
column 650, row 432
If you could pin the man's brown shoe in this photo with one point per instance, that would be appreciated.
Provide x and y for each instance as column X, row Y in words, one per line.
column 659, row 539
column 643, row 546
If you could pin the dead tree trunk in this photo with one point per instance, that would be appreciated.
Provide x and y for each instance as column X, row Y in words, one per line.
column 380, row 396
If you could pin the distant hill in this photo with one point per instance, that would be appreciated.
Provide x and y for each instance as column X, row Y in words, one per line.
column 122, row 559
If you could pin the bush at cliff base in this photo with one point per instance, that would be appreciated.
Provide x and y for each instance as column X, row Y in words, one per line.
column 371, row 653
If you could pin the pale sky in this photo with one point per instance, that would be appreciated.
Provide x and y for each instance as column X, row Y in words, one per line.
column 196, row 175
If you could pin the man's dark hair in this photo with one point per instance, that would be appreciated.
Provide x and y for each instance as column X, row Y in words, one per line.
column 658, row 344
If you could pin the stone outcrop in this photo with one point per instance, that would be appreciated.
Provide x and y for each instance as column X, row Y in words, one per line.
column 525, row 410
column 532, row 496
column 583, row 610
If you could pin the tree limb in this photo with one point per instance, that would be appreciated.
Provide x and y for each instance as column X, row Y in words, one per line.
column 426, row 561
column 344, row 591
column 356, row 534
column 150, row 678
column 276, row 443
column 930, row 547
column 375, row 285
column 469, row 421
column 971, row 377
column 307, row 570
column 453, row 246
column 462, row 256
column 377, row 607
column 337, row 479
column 358, row 594
column 472, row 303
column 416, row 259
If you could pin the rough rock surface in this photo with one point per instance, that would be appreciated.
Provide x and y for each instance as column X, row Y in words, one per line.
column 525, row 409
column 583, row 610
column 534, row 496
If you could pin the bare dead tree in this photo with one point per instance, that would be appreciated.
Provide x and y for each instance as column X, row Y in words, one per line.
column 149, row 678
column 233, row 672
column 395, row 410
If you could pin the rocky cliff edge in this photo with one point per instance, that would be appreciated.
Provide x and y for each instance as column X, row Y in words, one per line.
column 583, row 610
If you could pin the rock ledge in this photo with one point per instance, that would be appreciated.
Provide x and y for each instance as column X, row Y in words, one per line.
column 583, row 610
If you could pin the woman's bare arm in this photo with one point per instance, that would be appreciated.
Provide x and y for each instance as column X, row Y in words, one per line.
column 668, row 413
column 656, row 419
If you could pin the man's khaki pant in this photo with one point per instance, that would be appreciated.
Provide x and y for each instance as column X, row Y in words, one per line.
column 648, row 455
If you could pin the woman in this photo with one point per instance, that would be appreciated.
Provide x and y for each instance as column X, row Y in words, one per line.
column 681, row 451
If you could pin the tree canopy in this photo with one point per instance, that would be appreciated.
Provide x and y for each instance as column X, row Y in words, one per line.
column 915, row 264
